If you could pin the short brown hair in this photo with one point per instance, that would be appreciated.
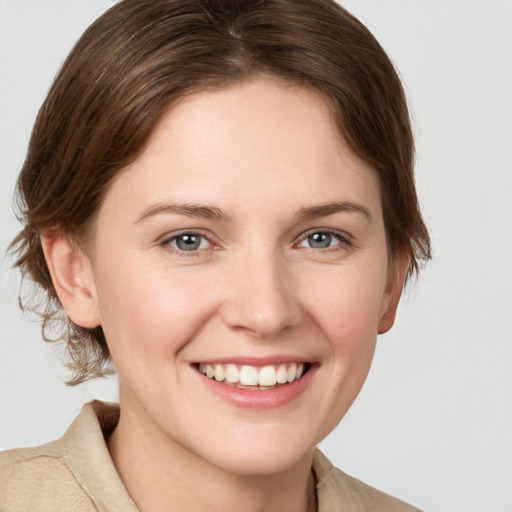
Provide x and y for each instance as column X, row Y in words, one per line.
column 140, row 56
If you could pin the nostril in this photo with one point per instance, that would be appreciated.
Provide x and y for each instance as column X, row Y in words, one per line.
column 262, row 319
column 261, row 298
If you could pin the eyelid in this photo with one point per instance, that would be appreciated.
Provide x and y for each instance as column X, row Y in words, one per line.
column 344, row 237
column 166, row 240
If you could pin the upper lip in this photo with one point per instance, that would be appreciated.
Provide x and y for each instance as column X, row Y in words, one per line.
column 255, row 361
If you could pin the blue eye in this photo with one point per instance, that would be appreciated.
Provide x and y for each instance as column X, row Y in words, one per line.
column 321, row 240
column 188, row 242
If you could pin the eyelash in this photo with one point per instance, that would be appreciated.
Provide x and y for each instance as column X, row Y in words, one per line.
column 168, row 241
column 343, row 242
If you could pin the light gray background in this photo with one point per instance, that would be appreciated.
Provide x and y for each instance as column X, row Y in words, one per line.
column 433, row 424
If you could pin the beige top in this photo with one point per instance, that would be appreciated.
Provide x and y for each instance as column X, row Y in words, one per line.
column 76, row 473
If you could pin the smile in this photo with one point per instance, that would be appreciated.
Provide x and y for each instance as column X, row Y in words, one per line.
column 254, row 377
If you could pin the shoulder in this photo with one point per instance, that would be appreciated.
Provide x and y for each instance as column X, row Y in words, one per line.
column 39, row 479
column 337, row 491
column 74, row 473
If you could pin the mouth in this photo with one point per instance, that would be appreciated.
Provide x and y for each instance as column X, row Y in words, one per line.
column 254, row 377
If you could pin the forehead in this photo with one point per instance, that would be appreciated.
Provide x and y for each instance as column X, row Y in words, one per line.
column 251, row 116
column 260, row 139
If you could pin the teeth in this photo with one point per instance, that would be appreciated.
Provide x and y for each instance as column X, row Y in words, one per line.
column 282, row 374
column 292, row 373
column 248, row 376
column 220, row 374
column 232, row 373
column 266, row 376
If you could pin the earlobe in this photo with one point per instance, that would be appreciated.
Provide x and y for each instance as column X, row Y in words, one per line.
column 72, row 278
column 396, row 277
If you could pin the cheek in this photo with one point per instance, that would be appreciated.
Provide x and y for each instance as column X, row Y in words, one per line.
column 150, row 311
column 348, row 306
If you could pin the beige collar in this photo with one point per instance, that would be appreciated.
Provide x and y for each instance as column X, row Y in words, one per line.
column 85, row 451
column 86, row 454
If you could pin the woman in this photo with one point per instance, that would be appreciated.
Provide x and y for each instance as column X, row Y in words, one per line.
column 220, row 196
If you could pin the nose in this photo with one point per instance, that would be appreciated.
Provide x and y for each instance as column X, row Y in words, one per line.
column 262, row 298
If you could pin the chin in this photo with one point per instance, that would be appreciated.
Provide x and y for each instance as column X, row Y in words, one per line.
column 263, row 464
column 257, row 456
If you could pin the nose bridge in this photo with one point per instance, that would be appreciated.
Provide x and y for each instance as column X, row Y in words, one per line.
column 263, row 298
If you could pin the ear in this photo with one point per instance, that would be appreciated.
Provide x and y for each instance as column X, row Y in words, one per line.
column 72, row 278
column 396, row 276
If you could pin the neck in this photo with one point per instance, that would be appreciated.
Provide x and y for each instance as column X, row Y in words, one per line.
column 161, row 474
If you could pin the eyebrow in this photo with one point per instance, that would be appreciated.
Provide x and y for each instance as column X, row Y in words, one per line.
column 211, row 212
column 187, row 209
column 324, row 210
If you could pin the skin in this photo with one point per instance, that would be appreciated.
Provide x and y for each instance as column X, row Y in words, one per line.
column 257, row 154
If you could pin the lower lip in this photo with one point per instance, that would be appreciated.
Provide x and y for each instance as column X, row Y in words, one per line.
column 256, row 398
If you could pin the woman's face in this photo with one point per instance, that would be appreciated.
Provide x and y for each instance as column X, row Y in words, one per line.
column 246, row 240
